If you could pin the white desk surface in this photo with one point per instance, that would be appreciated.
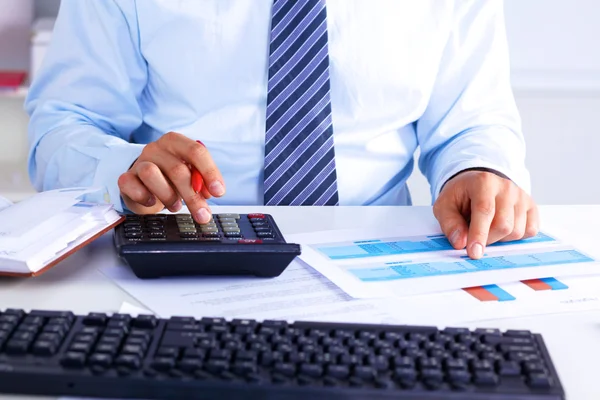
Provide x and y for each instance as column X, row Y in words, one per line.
column 572, row 339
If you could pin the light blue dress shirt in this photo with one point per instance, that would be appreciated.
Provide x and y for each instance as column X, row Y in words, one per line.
column 404, row 73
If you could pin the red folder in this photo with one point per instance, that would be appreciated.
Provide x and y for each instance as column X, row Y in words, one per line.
column 12, row 79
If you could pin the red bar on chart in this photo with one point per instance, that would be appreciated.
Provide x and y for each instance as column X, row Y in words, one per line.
column 545, row 284
column 481, row 293
column 537, row 284
column 489, row 293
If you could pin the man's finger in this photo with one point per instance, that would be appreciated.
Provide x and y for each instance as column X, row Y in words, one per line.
column 533, row 222
column 153, row 178
column 179, row 174
column 197, row 156
column 520, row 224
column 131, row 187
column 504, row 218
column 483, row 208
column 453, row 223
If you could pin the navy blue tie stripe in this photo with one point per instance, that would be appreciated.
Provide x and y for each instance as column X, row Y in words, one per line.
column 299, row 148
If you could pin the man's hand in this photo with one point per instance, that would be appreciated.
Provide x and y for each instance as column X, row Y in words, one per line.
column 479, row 208
column 162, row 174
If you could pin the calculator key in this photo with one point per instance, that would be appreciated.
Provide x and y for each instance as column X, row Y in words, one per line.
column 161, row 217
column 256, row 215
column 133, row 229
column 209, row 239
column 256, row 219
column 183, row 217
column 262, row 229
column 188, row 235
column 187, row 229
column 264, row 234
column 234, row 216
column 209, row 229
column 210, row 235
column 233, row 234
column 231, row 229
column 185, row 223
column 224, row 224
column 133, row 235
column 223, row 220
column 250, row 241
column 157, row 235
column 260, row 225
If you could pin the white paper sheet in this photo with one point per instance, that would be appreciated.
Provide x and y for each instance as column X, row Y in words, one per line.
column 457, row 307
column 23, row 216
column 299, row 293
column 4, row 203
column 384, row 262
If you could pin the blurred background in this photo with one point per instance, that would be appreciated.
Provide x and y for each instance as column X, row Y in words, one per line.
column 555, row 58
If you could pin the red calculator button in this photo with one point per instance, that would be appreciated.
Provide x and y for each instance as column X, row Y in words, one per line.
column 256, row 215
column 250, row 241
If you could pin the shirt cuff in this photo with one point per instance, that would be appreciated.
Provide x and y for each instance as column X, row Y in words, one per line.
column 520, row 178
column 113, row 163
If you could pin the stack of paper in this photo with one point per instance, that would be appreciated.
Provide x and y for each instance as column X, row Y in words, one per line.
column 43, row 229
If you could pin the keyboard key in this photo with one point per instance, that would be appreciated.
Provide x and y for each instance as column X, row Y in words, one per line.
column 337, row 371
column 80, row 347
column 216, row 366
column 539, row 381
column 518, row 333
column 312, row 370
column 95, row 319
column 16, row 347
column 101, row 359
column 364, row 372
column 43, row 348
column 128, row 361
column 286, row 369
column 481, row 365
column 485, row 378
column 163, row 363
column 508, row 368
column 533, row 367
column 171, row 352
column 136, row 350
column 73, row 360
column 189, row 364
column 144, row 321
column 459, row 376
column 455, row 364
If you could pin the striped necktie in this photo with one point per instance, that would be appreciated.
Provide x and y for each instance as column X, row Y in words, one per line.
column 299, row 152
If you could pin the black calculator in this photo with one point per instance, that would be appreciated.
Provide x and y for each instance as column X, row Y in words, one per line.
column 164, row 245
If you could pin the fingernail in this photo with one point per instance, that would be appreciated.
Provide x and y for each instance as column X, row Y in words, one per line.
column 477, row 250
column 454, row 236
column 216, row 188
column 150, row 202
column 203, row 216
column 177, row 206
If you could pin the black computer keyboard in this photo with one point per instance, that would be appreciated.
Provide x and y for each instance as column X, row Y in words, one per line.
column 119, row 356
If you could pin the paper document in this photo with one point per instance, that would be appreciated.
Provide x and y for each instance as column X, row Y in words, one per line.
column 299, row 293
column 21, row 217
column 381, row 263
column 499, row 301
column 4, row 203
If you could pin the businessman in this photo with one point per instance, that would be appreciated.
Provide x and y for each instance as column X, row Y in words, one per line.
column 311, row 102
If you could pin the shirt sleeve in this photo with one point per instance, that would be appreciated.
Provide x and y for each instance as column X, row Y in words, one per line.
column 84, row 102
column 472, row 119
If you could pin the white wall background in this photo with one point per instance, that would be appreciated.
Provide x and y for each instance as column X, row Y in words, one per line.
column 555, row 56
